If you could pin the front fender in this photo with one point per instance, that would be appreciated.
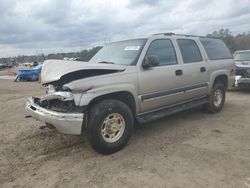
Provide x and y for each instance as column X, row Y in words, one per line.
column 90, row 95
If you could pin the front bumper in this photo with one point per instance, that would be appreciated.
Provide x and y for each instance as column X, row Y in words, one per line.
column 242, row 76
column 243, row 82
column 67, row 123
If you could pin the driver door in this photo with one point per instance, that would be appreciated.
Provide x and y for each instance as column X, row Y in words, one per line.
column 160, row 86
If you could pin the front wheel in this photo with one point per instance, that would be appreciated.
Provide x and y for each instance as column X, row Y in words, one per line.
column 109, row 126
column 216, row 98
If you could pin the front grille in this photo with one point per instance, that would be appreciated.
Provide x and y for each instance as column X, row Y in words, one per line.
column 243, row 72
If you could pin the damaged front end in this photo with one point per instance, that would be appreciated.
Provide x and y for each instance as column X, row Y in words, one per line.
column 61, row 107
column 60, row 102
column 57, row 109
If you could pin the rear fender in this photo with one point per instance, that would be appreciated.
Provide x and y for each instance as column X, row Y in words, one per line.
column 215, row 74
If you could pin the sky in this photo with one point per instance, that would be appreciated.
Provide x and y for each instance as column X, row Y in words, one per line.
column 30, row 27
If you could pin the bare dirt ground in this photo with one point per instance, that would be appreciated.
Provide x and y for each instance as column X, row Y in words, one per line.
column 11, row 71
column 188, row 149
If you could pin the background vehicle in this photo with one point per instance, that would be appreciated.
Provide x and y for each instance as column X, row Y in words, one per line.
column 141, row 79
column 35, row 63
column 29, row 74
column 3, row 66
column 242, row 60
column 28, row 64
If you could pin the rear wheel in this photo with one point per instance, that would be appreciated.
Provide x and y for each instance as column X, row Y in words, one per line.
column 110, row 126
column 216, row 98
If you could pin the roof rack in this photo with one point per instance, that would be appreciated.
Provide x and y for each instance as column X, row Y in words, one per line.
column 170, row 34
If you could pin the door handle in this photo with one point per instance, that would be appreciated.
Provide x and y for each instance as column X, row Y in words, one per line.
column 203, row 69
column 178, row 72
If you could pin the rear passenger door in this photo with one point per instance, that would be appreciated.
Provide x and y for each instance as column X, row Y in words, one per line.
column 194, row 69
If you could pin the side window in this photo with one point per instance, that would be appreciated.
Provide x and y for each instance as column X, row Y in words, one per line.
column 164, row 50
column 189, row 50
column 216, row 49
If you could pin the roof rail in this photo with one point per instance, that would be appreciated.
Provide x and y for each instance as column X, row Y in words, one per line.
column 189, row 35
column 169, row 34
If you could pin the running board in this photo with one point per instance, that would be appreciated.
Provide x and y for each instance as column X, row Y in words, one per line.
column 151, row 116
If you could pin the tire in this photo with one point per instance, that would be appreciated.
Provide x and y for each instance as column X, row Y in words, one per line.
column 216, row 98
column 107, row 118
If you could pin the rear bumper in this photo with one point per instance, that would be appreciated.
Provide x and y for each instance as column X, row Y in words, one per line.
column 67, row 123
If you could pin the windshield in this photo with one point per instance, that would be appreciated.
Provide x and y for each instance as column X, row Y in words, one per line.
column 123, row 52
column 242, row 56
column 37, row 67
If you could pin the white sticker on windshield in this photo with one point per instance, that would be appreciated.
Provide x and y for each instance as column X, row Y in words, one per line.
column 132, row 48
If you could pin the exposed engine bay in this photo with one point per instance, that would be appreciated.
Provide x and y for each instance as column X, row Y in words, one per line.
column 59, row 106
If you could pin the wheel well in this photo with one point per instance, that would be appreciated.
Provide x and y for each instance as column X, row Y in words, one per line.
column 222, row 79
column 123, row 96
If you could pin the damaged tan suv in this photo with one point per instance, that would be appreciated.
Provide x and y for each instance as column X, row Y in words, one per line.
column 140, row 80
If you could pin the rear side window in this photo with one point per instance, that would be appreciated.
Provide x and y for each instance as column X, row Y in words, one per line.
column 216, row 49
column 189, row 51
column 164, row 50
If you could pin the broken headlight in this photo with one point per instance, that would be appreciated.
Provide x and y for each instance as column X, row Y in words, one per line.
column 50, row 89
column 64, row 88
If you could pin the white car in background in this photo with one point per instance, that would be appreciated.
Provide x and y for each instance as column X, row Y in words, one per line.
column 242, row 62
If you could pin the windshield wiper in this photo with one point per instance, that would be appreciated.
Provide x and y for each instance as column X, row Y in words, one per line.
column 107, row 62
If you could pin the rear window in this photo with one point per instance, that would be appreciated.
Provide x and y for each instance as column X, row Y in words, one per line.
column 189, row 50
column 216, row 49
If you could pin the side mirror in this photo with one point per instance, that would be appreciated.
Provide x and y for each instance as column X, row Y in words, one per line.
column 150, row 61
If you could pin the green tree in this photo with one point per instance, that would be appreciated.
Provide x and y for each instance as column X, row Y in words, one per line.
column 234, row 43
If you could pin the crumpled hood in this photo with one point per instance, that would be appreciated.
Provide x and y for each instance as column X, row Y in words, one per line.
column 53, row 70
